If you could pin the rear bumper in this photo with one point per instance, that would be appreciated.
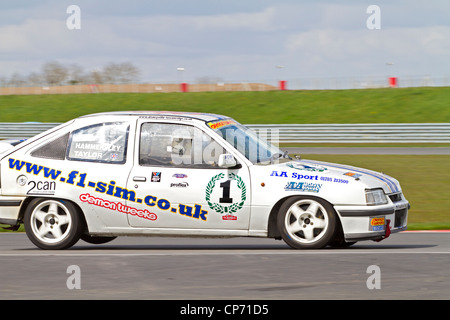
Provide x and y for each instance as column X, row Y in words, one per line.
column 9, row 210
column 373, row 222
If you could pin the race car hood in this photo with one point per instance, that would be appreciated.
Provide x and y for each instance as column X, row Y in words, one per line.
column 321, row 171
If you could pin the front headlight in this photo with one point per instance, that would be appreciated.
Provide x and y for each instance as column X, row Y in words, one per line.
column 375, row 197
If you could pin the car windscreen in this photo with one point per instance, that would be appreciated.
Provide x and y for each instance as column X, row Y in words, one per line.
column 250, row 144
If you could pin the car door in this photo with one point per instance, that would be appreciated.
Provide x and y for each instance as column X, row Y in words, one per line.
column 178, row 183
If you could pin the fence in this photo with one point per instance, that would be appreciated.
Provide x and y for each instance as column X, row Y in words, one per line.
column 305, row 83
column 138, row 88
column 302, row 133
column 358, row 133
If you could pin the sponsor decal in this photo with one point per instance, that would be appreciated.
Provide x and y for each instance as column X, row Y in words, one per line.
column 110, row 188
column 296, row 175
column 180, row 175
column 353, row 175
column 220, row 124
column 279, row 174
column 41, row 187
column 377, row 224
column 179, row 185
column 303, row 186
column 117, row 206
column 306, row 167
column 330, row 179
column 229, row 217
column 234, row 206
column 156, row 177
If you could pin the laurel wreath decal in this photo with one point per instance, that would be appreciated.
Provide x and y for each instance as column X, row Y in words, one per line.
column 217, row 206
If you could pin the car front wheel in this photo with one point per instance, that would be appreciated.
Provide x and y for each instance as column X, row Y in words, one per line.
column 52, row 224
column 306, row 223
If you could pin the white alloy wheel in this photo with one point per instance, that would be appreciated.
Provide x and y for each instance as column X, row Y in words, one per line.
column 306, row 222
column 52, row 223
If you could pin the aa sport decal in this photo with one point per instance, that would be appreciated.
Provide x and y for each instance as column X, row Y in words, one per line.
column 220, row 206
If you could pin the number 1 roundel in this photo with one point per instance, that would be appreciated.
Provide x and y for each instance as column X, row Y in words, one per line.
column 225, row 198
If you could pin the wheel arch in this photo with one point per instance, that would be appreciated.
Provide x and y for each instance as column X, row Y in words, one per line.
column 27, row 201
column 273, row 230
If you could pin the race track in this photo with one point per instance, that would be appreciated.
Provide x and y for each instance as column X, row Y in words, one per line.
column 412, row 265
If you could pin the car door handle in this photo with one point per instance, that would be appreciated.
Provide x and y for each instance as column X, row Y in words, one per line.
column 139, row 179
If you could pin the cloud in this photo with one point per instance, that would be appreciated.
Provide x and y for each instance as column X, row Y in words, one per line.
column 409, row 48
column 232, row 40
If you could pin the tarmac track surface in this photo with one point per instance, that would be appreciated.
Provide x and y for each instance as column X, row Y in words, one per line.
column 412, row 265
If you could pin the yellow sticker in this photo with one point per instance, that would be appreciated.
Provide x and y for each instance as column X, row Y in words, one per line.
column 220, row 124
column 377, row 221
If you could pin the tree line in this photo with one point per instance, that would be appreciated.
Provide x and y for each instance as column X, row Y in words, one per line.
column 54, row 73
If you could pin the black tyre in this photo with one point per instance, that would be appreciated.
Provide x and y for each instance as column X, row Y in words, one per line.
column 306, row 222
column 339, row 240
column 96, row 240
column 53, row 224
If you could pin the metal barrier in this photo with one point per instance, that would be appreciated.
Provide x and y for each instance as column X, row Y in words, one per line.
column 19, row 130
column 357, row 133
column 301, row 133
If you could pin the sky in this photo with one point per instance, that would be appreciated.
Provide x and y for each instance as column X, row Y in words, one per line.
column 231, row 40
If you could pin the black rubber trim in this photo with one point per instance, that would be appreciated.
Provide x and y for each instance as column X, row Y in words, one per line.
column 10, row 203
column 366, row 213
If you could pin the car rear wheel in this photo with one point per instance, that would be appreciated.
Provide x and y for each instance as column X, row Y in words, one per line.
column 52, row 224
column 306, row 223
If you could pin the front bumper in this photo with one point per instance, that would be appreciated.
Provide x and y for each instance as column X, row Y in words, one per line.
column 373, row 222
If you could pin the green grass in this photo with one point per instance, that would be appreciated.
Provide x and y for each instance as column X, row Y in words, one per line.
column 400, row 105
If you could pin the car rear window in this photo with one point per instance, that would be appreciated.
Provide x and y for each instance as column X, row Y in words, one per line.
column 104, row 142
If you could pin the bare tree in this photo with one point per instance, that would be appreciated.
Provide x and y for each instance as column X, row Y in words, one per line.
column 16, row 80
column 76, row 75
column 3, row 82
column 54, row 73
column 95, row 77
column 115, row 73
column 34, row 79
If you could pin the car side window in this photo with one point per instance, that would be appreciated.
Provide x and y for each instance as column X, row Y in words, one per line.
column 103, row 142
column 165, row 144
column 55, row 149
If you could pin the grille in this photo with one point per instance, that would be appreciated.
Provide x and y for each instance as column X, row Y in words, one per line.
column 395, row 197
column 400, row 216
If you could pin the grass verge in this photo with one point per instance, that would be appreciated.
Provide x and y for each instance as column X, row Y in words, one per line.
column 400, row 105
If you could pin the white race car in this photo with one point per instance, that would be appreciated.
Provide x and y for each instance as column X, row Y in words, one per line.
column 185, row 174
